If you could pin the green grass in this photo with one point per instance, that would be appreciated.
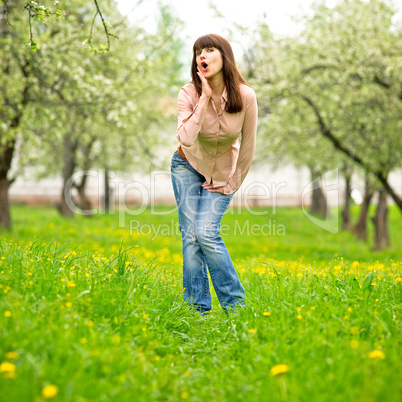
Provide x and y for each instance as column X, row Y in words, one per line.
column 96, row 309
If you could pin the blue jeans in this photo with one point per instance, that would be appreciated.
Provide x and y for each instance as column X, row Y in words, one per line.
column 200, row 215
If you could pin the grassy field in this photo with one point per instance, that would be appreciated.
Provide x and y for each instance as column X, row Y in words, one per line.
column 92, row 310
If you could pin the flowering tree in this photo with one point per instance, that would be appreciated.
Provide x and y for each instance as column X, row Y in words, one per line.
column 48, row 10
column 64, row 109
column 342, row 77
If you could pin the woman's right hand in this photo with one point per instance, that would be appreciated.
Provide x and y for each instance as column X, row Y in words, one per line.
column 206, row 89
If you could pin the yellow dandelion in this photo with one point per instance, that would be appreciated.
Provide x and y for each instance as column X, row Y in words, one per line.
column 90, row 323
column 279, row 369
column 376, row 354
column 187, row 373
column 70, row 284
column 266, row 313
column 345, row 317
column 252, row 331
column 299, row 275
column 157, row 358
column 7, row 367
column 144, row 329
column 7, row 314
column 83, row 341
column 349, row 309
column 355, row 330
column 145, row 286
column 299, row 316
column 397, row 280
column 312, row 308
column 299, row 309
column 12, row 355
column 8, row 370
column 373, row 284
column 354, row 344
column 50, row 391
column 68, row 304
column 145, row 316
column 184, row 395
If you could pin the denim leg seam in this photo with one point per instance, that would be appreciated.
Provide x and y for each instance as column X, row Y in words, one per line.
column 218, row 293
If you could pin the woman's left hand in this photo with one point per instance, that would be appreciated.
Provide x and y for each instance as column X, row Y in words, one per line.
column 212, row 189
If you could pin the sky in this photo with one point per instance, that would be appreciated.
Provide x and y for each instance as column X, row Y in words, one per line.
column 199, row 19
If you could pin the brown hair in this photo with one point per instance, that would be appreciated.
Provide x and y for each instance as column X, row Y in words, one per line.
column 231, row 75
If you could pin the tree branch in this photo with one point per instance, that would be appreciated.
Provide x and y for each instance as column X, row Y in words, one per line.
column 319, row 67
column 104, row 24
column 338, row 145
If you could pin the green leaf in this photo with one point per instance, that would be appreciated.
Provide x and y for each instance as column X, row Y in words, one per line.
column 368, row 280
column 355, row 284
column 1, row 3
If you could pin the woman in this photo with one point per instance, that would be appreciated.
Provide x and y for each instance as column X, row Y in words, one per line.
column 214, row 110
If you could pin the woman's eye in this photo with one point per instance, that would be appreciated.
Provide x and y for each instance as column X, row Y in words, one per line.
column 211, row 49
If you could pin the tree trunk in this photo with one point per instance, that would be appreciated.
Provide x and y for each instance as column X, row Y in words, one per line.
column 106, row 196
column 5, row 216
column 8, row 147
column 360, row 229
column 347, row 172
column 66, row 206
column 380, row 220
column 319, row 201
column 6, row 158
column 85, row 203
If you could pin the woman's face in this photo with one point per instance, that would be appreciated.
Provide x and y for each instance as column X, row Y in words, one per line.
column 210, row 61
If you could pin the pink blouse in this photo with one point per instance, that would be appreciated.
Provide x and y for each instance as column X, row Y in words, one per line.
column 210, row 138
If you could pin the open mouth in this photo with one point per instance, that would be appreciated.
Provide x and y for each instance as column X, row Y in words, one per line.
column 204, row 66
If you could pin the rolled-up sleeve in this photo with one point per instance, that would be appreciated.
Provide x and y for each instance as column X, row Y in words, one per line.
column 190, row 116
column 247, row 145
